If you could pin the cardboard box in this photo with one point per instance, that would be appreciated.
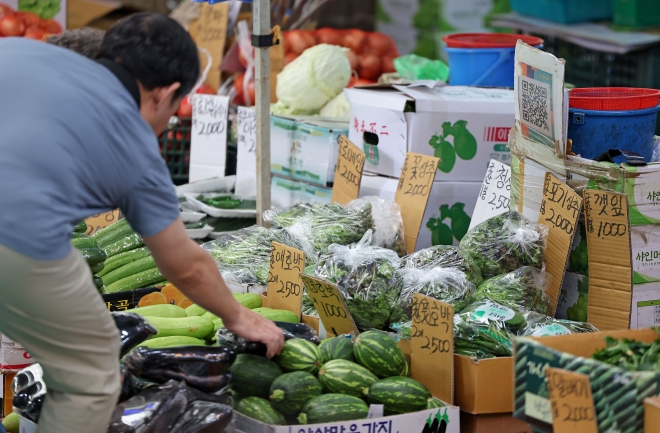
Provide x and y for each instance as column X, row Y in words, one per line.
column 651, row 415
column 504, row 423
column 626, row 390
column 484, row 386
column 285, row 193
column 13, row 357
column 7, row 395
column 388, row 121
column 458, row 200
column 305, row 150
column 26, row 426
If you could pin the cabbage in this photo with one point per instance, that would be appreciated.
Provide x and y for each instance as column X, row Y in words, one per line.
column 309, row 82
column 339, row 107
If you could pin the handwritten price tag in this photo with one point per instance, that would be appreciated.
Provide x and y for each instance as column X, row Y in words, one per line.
column 211, row 34
column 412, row 193
column 101, row 221
column 495, row 195
column 610, row 262
column 284, row 283
column 348, row 173
column 572, row 404
column 246, row 159
column 330, row 305
column 208, row 147
column 560, row 210
column 433, row 346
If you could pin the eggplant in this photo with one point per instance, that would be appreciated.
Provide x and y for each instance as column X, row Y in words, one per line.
column 207, row 384
column 203, row 417
column 133, row 330
column 228, row 339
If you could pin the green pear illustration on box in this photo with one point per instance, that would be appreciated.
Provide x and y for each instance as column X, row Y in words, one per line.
column 46, row 9
column 459, row 222
column 464, row 147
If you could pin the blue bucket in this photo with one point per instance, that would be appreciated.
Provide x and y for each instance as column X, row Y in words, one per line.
column 595, row 132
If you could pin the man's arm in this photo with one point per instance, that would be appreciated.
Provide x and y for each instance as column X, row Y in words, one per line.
column 194, row 272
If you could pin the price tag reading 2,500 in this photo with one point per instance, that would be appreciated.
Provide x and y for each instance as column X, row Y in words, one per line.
column 284, row 283
column 330, row 305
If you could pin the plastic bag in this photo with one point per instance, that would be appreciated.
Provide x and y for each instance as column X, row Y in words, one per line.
column 228, row 339
column 522, row 289
column 550, row 327
column 414, row 67
column 130, row 385
column 505, row 243
column 29, row 391
column 444, row 284
column 202, row 416
column 388, row 223
column 133, row 330
column 367, row 278
column 444, row 256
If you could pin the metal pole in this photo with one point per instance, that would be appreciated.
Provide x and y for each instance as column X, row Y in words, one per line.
column 261, row 26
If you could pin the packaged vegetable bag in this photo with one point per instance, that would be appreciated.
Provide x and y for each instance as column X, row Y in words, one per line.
column 505, row 243
column 523, row 289
column 387, row 221
column 444, row 256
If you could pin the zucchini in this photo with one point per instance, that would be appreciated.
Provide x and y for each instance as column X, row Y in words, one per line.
column 175, row 341
column 107, row 231
column 128, row 243
column 142, row 279
column 115, row 262
column 195, row 310
column 121, row 233
column 11, row 423
column 98, row 282
column 249, row 300
column 195, row 225
column 195, row 326
column 82, row 242
column 93, row 255
column 97, row 268
column 129, row 269
column 162, row 310
column 81, row 227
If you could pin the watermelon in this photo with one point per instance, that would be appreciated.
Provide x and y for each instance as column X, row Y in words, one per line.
column 332, row 408
column 261, row 410
column 434, row 403
column 406, row 370
column 399, row 395
column 291, row 391
column 253, row 375
column 336, row 348
column 299, row 355
column 376, row 351
column 346, row 377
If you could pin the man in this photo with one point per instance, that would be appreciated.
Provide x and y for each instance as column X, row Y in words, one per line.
column 85, row 41
column 78, row 138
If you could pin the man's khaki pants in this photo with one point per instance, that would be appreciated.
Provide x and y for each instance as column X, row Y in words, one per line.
column 53, row 310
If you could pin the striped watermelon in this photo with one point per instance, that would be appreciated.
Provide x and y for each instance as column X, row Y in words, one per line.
column 406, row 370
column 399, row 395
column 337, row 348
column 332, row 408
column 346, row 377
column 261, row 410
column 376, row 351
column 253, row 375
column 299, row 355
column 291, row 391
column 434, row 403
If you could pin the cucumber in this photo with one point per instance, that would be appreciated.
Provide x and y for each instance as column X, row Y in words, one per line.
column 116, row 262
column 175, row 341
column 76, row 235
column 119, row 234
column 128, row 243
column 98, row 282
column 82, row 242
column 197, row 327
column 81, row 227
column 195, row 225
column 195, row 310
column 162, row 310
column 97, row 268
column 93, row 255
column 142, row 279
column 129, row 269
column 107, row 231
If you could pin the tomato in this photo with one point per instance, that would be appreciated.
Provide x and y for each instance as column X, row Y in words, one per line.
column 388, row 64
column 379, row 44
column 50, row 26
column 29, row 19
column 363, row 82
column 353, row 59
column 297, row 41
column 185, row 109
column 355, row 40
column 239, row 86
column 289, row 57
column 5, row 9
column 11, row 25
column 370, row 66
column 33, row 33
column 205, row 89
column 326, row 35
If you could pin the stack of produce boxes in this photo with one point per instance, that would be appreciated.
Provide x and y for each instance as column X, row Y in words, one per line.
column 465, row 127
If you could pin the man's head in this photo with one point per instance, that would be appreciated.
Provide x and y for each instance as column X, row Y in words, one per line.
column 162, row 57
column 85, row 41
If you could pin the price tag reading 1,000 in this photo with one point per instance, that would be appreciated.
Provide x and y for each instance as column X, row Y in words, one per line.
column 571, row 401
column 284, row 283
column 330, row 305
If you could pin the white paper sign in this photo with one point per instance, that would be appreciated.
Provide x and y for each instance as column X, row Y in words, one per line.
column 246, row 159
column 208, row 147
column 495, row 194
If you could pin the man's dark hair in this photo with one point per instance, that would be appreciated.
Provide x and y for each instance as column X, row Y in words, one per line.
column 85, row 41
column 155, row 49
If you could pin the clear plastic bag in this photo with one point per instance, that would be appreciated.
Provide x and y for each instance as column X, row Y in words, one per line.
column 414, row 67
column 448, row 285
column 550, row 327
column 523, row 289
column 203, row 416
column 367, row 278
column 505, row 243
column 388, row 223
column 444, row 256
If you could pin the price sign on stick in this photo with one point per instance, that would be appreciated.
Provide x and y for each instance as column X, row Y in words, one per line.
column 348, row 173
column 208, row 146
column 495, row 194
column 572, row 404
column 246, row 158
column 284, row 283
column 610, row 262
column 433, row 346
column 412, row 193
column 211, row 33
column 101, row 221
column 330, row 305
column 560, row 210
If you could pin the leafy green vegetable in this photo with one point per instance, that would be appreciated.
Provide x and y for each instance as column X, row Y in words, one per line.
column 444, row 256
column 522, row 289
column 504, row 243
column 387, row 222
column 631, row 355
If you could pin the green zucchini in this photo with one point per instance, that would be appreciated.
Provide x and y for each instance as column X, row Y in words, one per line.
column 97, row 268
column 128, row 243
column 142, row 279
column 162, row 310
column 129, row 269
column 174, row 341
column 195, row 310
column 116, row 262
column 197, row 327
column 93, row 255
column 98, row 282
column 81, row 227
column 11, row 423
column 119, row 234
column 82, row 242
column 107, row 231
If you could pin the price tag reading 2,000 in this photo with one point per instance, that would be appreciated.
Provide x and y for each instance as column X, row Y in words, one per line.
column 571, row 401
column 348, row 174
column 330, row 305
column 284, row 283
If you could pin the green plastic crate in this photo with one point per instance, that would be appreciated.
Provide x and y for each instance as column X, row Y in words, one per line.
column 636, row 14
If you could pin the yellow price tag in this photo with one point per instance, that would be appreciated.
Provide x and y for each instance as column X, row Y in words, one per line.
column 572, row 404
column 284, row 283
column 101, row 221
column 348, row 173
column 330, row 305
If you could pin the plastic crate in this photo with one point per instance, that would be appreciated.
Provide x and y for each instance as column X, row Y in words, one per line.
column 636, row 14
column 175, row 148
column 565, row 11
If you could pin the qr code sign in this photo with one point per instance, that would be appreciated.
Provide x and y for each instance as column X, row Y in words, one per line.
column 535, row 105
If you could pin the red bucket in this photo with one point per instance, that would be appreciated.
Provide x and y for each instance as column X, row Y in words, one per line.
column 489, row 40
column 613, row 98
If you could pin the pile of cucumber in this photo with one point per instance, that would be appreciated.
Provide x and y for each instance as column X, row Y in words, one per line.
column 91, row 252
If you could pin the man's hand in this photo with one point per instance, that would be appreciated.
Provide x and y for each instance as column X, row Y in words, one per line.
column 254, row 327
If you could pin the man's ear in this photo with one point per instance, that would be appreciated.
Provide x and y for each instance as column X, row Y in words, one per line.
column 165, row 95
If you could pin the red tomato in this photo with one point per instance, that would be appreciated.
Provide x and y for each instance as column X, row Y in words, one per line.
column 326, row 35
column 289, row 57
column 370, row 66
column 185, row 109
column 363, row 82
column 50, row 26
column 206, row 90
column 297, row 41
column 5, row 9
column 33, row 33
column 353, row 59
column 379, row 44
column 356, row 40
column 388, row 64
column 11, row 25
column 31, row 20
column 238, row 85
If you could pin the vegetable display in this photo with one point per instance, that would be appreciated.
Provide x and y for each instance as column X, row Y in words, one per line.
column 631, row 355
column 522, row 289
column 443, row 256
column 33, row 20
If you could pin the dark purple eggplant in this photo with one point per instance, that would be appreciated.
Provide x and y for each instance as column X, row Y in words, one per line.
column 239, row 345
column 203, row 417
column 133, row 330
column 298, row 330
column 33, row 409
column 208, row 384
